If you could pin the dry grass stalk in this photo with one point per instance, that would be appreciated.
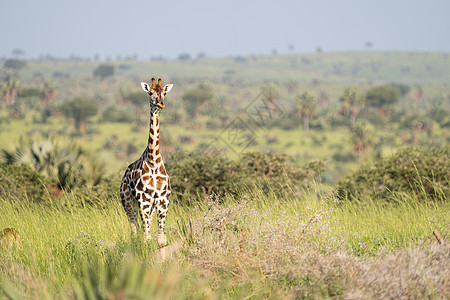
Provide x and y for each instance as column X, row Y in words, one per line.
column 438, row 237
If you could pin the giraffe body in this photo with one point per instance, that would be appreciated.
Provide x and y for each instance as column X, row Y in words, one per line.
column 145, row 187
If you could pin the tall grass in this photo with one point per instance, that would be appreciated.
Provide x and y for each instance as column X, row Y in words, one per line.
column 291, row 243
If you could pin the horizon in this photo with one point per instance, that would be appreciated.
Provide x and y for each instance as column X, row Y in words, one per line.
column 74, row 57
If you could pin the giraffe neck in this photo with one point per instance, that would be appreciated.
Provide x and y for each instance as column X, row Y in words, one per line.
column 153, row 155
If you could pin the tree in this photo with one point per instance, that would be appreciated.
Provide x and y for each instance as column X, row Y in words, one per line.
column 269, row 97
column 104, row 70
column 382, row 96
column 79, row 109
column 68, row 166
column 351, row 101
column 49, row 93
column 138, row 99
column 9, row 89
column 306, row 108
column 194, row 98
column 402, row 88
column 14, row 64
column 184, row 57
column 359, row 137
column 270, row 94
column 17, row 52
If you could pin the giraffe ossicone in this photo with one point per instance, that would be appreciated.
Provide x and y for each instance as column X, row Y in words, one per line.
column 145, row 187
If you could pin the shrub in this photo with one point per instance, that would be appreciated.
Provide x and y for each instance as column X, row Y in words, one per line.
column 275, row 169
column 98, row 196
column 103, row 71
column 198, row 174
column 424, row 173
column 21, row 181
column 67, row 166
column 116, row 114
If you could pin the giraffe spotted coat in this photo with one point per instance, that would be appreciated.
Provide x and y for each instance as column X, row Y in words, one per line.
column 145, row 187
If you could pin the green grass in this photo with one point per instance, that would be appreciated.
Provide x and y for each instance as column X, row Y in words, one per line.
column 289, row 244
column 298, row 145
column 236, row 83
column 259, row 245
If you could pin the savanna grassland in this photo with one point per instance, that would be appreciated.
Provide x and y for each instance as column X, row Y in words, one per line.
column 315, row 176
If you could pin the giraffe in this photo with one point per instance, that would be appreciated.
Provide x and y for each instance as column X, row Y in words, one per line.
column 145, row 186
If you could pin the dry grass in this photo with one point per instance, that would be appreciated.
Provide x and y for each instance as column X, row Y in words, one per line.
column 264, row 253
column 299, row 244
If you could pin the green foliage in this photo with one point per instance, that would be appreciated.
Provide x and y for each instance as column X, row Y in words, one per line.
column 197, row 174
column 260, row 244
column 79, row 109
column 306, row 104
column 194, row 98
column 402, row 88
column 104, row 70
column 30, row 93
column 270, row 94
column 382, row 96
column 136, row 98
column 351, row 103
column 424, row 173
column 117, row 114
column 306, row 108
column 100, row 195
column 67, row 166
column 360, row 137
column 275, row 169
column 15, row 64
column 9, row 88
column 130, row 280
column 20, row 181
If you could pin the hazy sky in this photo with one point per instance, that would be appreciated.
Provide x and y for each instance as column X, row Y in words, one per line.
column 220, row 28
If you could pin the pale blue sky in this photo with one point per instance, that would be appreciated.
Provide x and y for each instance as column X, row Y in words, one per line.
column 220, row 28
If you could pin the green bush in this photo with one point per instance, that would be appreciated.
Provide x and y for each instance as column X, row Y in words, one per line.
column 67, row 166
column 117, row 114
column 104, row 70
column 18, row 181
column 196, row 174
column 99, row 195
column 201, row 175
column 424, row 173
column 271, row 171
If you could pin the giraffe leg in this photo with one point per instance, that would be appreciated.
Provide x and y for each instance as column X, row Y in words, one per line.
column 127, row 203
column 162, row 213
column 147, row 213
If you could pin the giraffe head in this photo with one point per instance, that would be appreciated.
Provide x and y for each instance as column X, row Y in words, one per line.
column 157, row 93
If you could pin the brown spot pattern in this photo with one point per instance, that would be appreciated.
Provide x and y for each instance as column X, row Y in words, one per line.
column 146, row 180
column 159, row 182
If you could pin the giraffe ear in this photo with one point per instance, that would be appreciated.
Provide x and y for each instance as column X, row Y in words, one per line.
column 145, row 87
column 168, row 87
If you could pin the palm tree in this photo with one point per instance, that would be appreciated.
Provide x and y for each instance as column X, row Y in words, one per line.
column 270, row 94
column 306, row 108
column 351, row 101
column 8, row 89
column 79, row 109
column 193, row 99
column 49, row 93
column 360, row 138
column 67, row 166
